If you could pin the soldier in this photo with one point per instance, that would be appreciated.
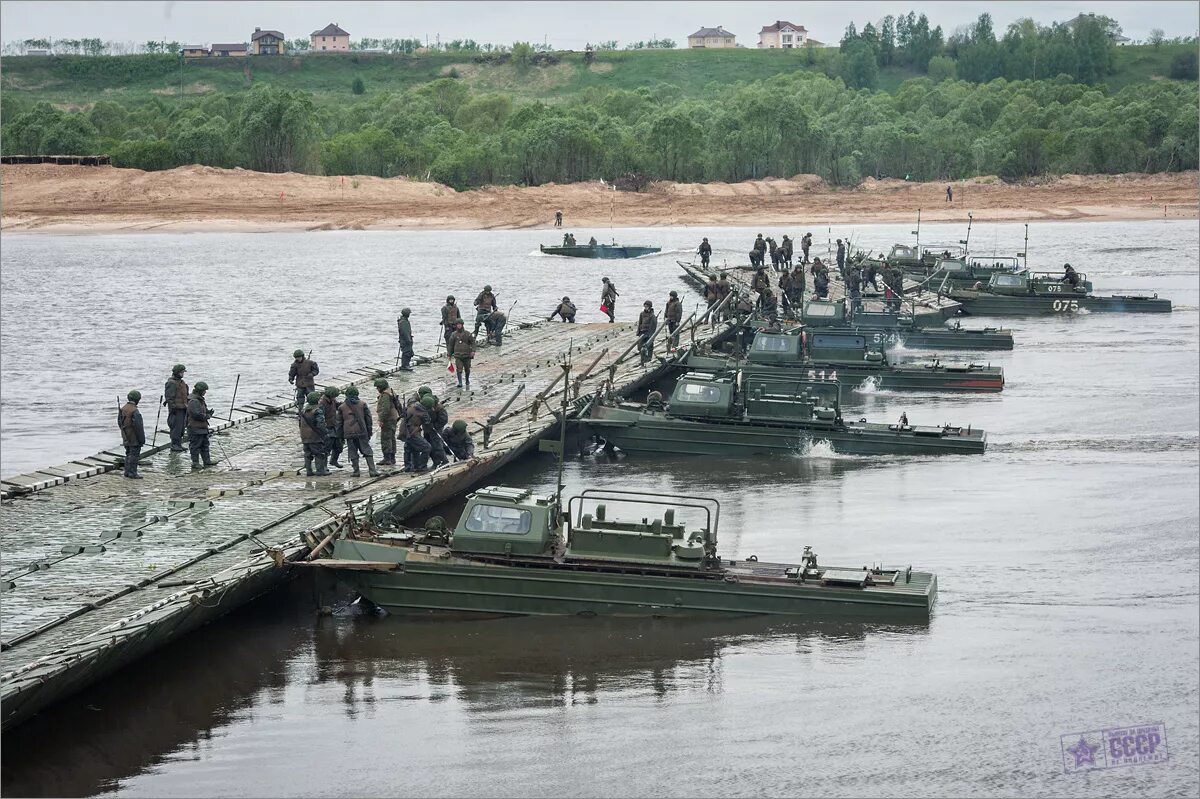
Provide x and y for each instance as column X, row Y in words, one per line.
column 302, row 373
column 854, row 289
column 673, row 316
column 805, row 244
column 949, row 194
column 462, row 347
column 711, row 292
column 647, row 324
column 592, row 241
column 798, row 286
column 841, row 257
column 786, row 246
column 1070, row 276
column 198, row 415
column 330, row 410
column 417, row 448
column 776, row 256
column 870, row 276
column 312, row 435
column 761, row 281
column 458, row 440
column 485, row 303
column 450, row 316
column 436, row 421
column 356, row 429
column 705, row 251
column 758, row 251
column 608, row 299
column 723, row 289
column 497, row 320
column 785, row 290
column 404, row 333
column 133, row 434
column 558, row 218
column 387, row 414
column 821, row 282
column 175, row 397
column 769, row 305
column 565, row 309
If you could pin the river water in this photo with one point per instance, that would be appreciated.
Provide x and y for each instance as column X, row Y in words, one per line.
column 1066, row 556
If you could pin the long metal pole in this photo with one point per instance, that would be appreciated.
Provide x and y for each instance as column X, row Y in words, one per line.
column 235, row 388
column 154, row 439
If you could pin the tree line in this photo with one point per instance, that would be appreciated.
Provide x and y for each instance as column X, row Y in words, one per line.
column 802, row 122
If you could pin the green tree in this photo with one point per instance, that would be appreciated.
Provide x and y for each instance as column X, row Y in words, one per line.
column 277, row 130
column 861, row 67
column 942, row 68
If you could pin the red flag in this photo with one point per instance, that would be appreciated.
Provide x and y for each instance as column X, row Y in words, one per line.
column 450, row 366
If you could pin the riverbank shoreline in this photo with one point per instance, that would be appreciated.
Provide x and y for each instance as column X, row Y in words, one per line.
column 194, row 199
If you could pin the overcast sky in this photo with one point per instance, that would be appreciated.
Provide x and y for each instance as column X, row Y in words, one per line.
column 567, row 24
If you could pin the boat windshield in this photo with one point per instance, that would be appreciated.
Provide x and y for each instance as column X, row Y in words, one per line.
column 814, row 311
column 498, row 519
column 1009, row 281
column 771, row 344
column 694, row 392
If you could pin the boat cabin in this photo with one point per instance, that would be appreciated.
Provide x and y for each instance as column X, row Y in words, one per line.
column 754, row 398
column 826, row 347
column 1037, row 283
column 832, row 313
column 506, row 521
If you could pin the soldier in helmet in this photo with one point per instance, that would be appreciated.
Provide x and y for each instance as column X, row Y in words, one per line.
column 705, row 251
column 785, row 247
column 387, row 414
column 133, row 434
column 405, row 337
column 723, row 290
column 485, row 303
column 302, row 373
column 497, row 320
column 417, row 448
column 437, row 418
column 711, row 292
column 450, row 316
column 769, row 305
column 805, row 245
column 673, row 316
column 758, row 251
column 312, row 435
column 462, row 347
column 1070, row 276
column 330, row 410
column 565, row 309
column 198, row 415
column 647, row 324
column 356, row 429
column 797, row 283
column 458, row 440
column 175, row 398
column 608, row 299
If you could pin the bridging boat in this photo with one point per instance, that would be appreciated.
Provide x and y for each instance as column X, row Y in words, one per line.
column 886, row 328
column 1026, row 293
column 590, row 250
column 735, row 414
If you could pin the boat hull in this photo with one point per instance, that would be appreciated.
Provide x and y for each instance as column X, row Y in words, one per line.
column 987, row 379
column 456, row 586
column 601, row 251
column 935, row 338
column 632, row 431
column 986, row 304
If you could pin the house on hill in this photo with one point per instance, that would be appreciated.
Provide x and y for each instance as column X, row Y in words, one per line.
column 266, row 42
column 712, row 37
column 783, row 35
column 331, row 38
column 193, row 51
column 225, row 50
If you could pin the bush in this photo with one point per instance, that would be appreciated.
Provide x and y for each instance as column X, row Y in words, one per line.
column 358, row 87
column 1184, row 65
column 942, row 68
column 148, row 154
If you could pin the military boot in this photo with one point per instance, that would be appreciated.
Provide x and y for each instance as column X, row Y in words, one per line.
column 308, row 470
column 322, row 468
column 371, row 470
column 354, row 465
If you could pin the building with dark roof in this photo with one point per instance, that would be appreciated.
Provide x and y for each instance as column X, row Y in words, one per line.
column 712, row 37
column 782, row 35
column 331, row 38
column 267, row 42
column 231, row 49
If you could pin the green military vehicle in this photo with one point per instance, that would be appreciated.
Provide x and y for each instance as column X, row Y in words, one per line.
column 515, row 553
column 732, row 413
column 606, row 251
column 848, row 360
column 884, row 329
column 1029, row 293
column 958, row 272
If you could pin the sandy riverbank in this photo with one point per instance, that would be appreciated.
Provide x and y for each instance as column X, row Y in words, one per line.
column 69, row 199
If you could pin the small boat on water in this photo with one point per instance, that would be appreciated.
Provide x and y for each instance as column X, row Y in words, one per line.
column 889, row 328
column 1032, row 293
column 734, row 414
column 613, row 250
column 515, row 553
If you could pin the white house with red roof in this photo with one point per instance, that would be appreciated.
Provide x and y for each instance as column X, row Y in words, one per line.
column 782, row 35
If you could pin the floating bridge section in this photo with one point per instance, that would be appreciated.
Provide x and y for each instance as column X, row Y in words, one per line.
column 99, row 570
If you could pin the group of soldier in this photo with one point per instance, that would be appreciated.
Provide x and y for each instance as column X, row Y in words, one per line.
column 186, row 412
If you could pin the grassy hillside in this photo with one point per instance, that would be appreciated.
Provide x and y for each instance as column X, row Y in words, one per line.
column 77, row 81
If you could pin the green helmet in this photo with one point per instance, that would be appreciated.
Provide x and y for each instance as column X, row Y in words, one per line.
column 381, row 384
column 423, row 390
column 201, row 386
column 332, row 391
column 459, row 426
column 313, row 398
column 449, row 298
column 352, row 391
column 428, row 401
column 298, row 354
column 405, row 311
column 134, row 396
column 487, row 288
column 178, row 369
column 435, row 399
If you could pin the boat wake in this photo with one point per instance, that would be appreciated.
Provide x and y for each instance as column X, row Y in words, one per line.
column 820, row 449
column 868, row 386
